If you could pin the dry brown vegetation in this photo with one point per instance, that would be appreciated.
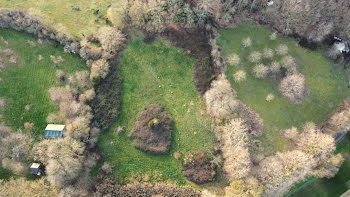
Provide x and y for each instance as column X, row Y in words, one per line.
column 198, row 167
column 23, row 187
column 152, row 131
column 106, row 186
column 339, row 121
column 312, row 156
column 313, row 20
column 220, row 99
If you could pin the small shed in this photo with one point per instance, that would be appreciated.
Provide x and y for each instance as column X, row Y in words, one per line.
column 35, row 169
column 54, row 131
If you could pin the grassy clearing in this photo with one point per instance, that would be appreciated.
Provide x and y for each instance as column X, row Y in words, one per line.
column 330, row 187
column 327, row 84
column 157, row 74
column 27, row 82
column 77, row 22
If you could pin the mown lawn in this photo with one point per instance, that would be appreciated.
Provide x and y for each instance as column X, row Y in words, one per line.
column 27, row 82
column 326, row 83
column 77, row 22
column 335, row 186
column 157, row 73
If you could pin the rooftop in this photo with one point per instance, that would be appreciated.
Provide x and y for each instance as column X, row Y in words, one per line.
column 54, row 127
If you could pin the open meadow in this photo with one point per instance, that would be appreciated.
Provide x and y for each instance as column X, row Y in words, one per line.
column 157, row 73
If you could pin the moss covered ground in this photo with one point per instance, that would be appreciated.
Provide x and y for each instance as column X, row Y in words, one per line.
column 326, row 83
column 157, row 73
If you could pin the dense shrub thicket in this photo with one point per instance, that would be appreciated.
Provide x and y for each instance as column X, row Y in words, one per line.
column 338, row 122
column 199, row 168
column 23, row 187
column 106, row 104
column 105, row 186
column 312, row 155
column 234, row 145
column 152, row 130
column 14, row 150
column 313, row 20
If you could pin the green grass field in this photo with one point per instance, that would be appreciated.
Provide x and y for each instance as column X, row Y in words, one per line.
column 329, row 187
column 77, row 22
column 27, row 82
column 157, row 74
column 326, row 84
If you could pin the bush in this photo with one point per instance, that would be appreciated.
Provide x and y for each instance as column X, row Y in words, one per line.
column 117, row 14
column 112, row 41
column 244, row 188
column 339, row 121
column 14, row 145
column 255, row 57
column 80, row 80
column 106, row 168
column 16, row 167
column 240, row 76
column 291, row 133
column 78, row 130
column 22, row 187
column 289, row 64
column 106, row 104
column 268, row 53
column 234, row 139
column 282, row 49
column 275, row 67
column 233, row 59
column 270, row 97
column 60, row 94
column 64, row 161
column 220, row 99
column 154, row 138
column 316, row 144
column 260, row 71
column 198, row 167
column 87, row 96
column 61, row 76
column 247, row 42
column 99, row 70
column 106, row 186
column 275, row 169
column 273, row 36
column 293, row 87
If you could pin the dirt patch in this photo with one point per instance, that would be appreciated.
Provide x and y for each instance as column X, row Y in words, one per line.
column 199, row 168
column 152, row 130
column 195, row 44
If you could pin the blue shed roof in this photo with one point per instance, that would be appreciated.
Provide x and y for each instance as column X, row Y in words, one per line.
column 53, row 134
